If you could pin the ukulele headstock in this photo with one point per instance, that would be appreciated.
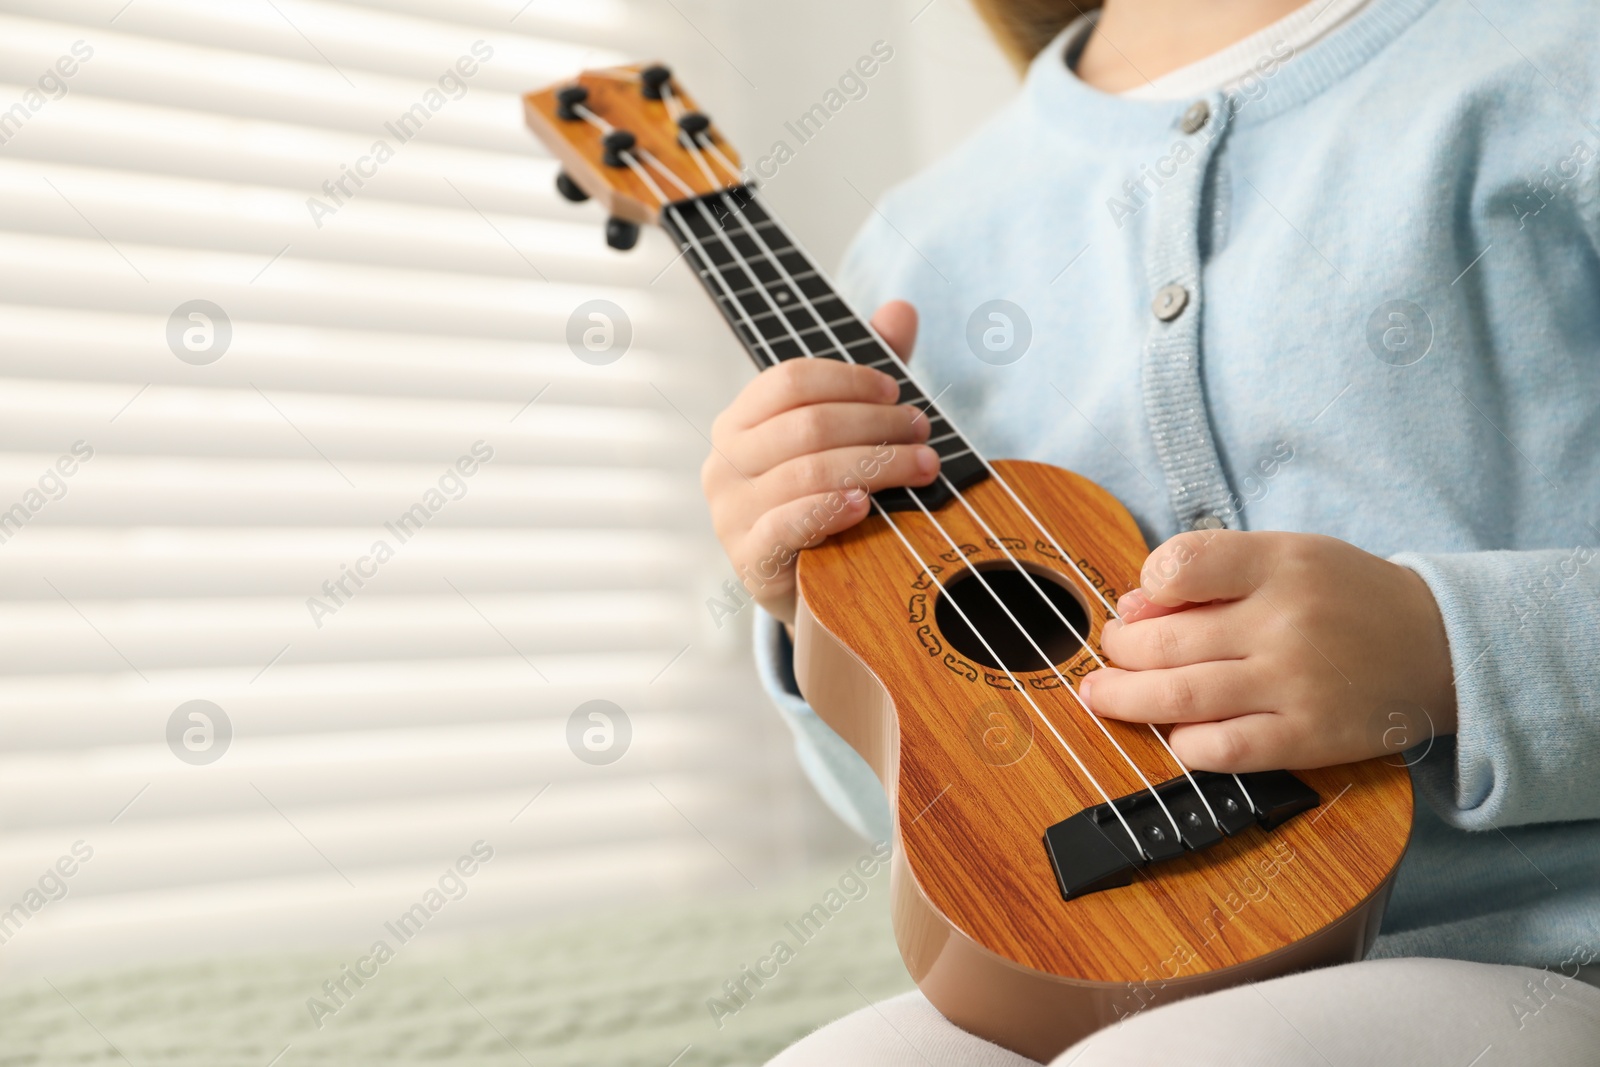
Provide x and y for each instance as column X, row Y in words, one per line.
column 631, row 139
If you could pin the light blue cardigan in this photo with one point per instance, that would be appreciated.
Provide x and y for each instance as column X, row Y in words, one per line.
column 1390, row 248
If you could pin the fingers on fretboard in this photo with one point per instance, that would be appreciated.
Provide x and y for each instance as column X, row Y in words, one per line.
column 781, row 307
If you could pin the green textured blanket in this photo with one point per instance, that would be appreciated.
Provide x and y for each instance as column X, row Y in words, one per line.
column 671, row 985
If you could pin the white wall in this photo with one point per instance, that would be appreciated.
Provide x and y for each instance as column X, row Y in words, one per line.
column 778, row 59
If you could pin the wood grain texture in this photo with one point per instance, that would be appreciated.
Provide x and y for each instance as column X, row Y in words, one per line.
column 615, row 97
column 969, row 820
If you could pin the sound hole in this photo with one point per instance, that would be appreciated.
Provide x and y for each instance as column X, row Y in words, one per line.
column 1011, row 648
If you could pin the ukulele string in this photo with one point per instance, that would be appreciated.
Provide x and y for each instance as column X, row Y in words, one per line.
column 675, row 109
column 1076, row 695
column 768, row 253
column 1041, row 528
column 694, row 242
column 735, row 209
column 711, row 147
column 1054, row 668
column 772, row 258
column 784, row 274
column 1094, row 590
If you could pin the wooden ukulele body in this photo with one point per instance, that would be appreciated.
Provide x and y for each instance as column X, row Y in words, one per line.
column 974, row 780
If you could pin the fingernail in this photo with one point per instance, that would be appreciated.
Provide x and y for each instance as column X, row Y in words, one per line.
column 888, row 387
column 919, row 422
column 927, row 460
column 855, row 496
column 1131, row 602
column 1083, row 690
column 1111, row 626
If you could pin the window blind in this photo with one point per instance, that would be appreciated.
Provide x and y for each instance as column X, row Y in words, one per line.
column 234, row 466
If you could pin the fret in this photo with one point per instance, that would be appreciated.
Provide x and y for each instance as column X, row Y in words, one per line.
column 909, row 393
column 766, row 273
column 833, row 309
column 837, row 327
column 760, row 315
column 736, row 280
column 786, row 349
column 730, row 277
column 781, row 308
column 753, row 208
column 788, row 264
column 770, row 330
column 753, row 305
column 870, row 352
column 849, row 331
column 809, row 325
column 761, row 307
column 811, row 283
column 893, row 370
column 715, row 254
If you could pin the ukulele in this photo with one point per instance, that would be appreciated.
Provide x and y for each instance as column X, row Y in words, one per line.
column 1053, row 872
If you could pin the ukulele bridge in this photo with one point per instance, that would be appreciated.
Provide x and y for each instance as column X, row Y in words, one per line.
column 1093, row 850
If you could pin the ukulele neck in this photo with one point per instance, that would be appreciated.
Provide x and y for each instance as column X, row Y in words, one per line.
column 782, row 307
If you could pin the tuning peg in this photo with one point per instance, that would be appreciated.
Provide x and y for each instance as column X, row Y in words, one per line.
column 567, row 101
column 694, row 124
column 617, row 142
column 569, row 188
column 621, row 234
column 652, row 79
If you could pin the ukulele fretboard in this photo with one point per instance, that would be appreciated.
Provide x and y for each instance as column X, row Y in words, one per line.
column 782, row 307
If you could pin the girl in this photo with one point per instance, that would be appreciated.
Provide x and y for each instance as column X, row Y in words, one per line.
column 1313, row 291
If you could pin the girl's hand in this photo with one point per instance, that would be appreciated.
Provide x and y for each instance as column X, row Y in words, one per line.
column 1277, row 650
column 796, row 453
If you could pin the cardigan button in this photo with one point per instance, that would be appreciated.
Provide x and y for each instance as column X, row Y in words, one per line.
column 1169, row 302
column 1208, row 522
column 1195, row 118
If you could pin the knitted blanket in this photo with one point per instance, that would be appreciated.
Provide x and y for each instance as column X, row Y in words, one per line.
column 690, row 984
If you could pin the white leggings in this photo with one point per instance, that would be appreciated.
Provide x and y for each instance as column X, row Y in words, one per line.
column 1415, row 1012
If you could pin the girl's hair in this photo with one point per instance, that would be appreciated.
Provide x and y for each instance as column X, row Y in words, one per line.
column 1026, row 26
